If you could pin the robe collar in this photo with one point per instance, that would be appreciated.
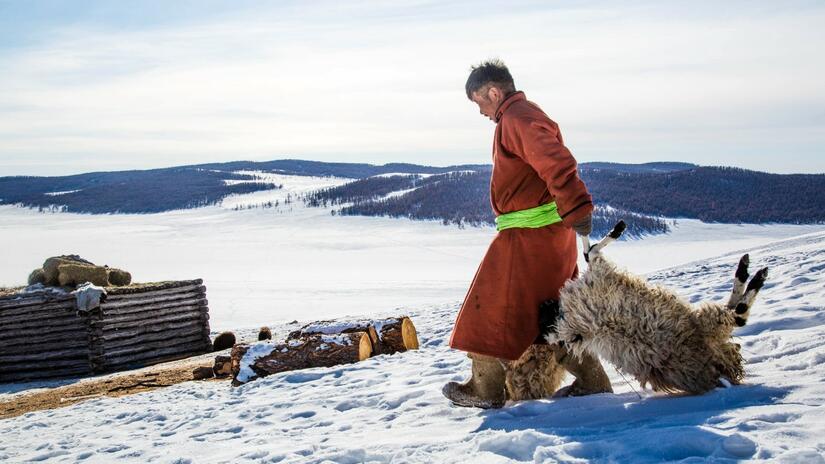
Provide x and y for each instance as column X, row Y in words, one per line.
column 512, row 98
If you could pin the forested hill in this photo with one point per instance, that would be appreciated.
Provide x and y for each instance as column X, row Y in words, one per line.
column 453, row 194
column 713, row 194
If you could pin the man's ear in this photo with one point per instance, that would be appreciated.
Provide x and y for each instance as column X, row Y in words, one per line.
column 494, row 93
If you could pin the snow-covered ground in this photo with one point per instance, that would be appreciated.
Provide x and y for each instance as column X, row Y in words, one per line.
column 270, row 266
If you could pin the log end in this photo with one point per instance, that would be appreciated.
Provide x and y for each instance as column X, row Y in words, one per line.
column 409, row 334
column 364, row 347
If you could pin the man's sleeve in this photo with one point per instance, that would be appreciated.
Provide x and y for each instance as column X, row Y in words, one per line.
column 538, row 143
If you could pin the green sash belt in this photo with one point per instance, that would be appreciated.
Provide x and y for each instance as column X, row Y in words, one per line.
column 532, row 218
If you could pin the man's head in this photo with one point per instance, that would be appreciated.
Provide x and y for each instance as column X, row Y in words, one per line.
column 488, row 85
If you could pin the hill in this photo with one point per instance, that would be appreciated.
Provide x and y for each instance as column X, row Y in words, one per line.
column 642, row 193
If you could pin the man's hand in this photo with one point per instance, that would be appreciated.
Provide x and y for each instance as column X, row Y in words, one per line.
column 584, row 225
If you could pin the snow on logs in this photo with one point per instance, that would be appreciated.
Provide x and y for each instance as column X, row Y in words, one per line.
column 44, row 335
column 323, row 344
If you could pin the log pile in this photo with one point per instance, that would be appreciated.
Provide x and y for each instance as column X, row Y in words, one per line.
column 321, row 344
column 42, row 335
column 146, row 324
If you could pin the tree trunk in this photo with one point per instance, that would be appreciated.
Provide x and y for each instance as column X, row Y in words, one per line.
column 319, row 350
column 396, row 335
column 387, row 336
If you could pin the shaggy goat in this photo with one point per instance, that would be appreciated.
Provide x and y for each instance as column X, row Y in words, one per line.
column 648, row 331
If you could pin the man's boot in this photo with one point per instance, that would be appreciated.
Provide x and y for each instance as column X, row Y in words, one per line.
column 589, row 373
column 485, row 389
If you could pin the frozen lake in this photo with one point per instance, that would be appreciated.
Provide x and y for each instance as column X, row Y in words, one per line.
column 270, row 265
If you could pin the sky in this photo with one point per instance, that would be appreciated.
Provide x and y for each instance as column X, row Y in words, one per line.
column 102, row 85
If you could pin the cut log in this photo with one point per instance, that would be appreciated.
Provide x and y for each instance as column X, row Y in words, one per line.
column 41, row 318
column 154, row 288
column 115, row 301
column 153, row 328
column 165, row 336
column 170, row 353
column 261, row 359
column 35, row 355
column 202, row 372
column 76, row 323
column 19, row 301
column 339, row 327
column 6, row 376
column 39, row 346
column 223, row 366
column 40, row 309
column 151, row 312
column 396, row 335
column 107, row 326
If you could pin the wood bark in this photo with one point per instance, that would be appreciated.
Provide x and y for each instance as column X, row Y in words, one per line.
column 302, row 353
column 325, row 327
column 44, row 309
column 397, row 335
column 7, row 376
column 115, row 300
column 223, row 366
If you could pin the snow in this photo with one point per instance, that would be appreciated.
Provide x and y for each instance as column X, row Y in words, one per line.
column 64, row 192
column 255, row 351
column 264, row 267
column 340, row 325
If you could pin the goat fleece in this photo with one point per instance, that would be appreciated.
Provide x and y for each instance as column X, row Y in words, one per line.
column 648, row 331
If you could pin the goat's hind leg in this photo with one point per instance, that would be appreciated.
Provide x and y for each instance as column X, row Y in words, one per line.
column 742, row 297
column 592, row 251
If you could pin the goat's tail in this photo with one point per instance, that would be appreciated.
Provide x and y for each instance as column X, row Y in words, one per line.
column 594, row 250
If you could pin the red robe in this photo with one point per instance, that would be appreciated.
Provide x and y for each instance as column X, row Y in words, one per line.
column 523, row 267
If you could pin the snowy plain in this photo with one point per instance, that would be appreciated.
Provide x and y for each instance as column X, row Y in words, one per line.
column 275, row 265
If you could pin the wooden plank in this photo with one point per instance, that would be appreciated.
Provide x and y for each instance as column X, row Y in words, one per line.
column 24, row 336
column 151, row 316
column 39, row 346
column 166, row 335
column 120, row 293
column 112, row 353
column 67, row 305
column 44, row 364
column 47, row 317
column 54, row 355
column 153, row 310
column 147, row 329
column 46, row 374
column 32, row 300
column 115, row 306
column 136, row 364
column 152, row 357
column 193, row 316
column 62, row 324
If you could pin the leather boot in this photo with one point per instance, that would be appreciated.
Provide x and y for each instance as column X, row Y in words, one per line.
column 485, row 389
column 589, row 373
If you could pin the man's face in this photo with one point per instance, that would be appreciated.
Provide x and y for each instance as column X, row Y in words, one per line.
column 488, row 99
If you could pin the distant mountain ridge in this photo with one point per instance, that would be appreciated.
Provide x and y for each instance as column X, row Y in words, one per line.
column 650, row 190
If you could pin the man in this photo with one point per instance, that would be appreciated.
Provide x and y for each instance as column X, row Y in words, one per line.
column 539, row 201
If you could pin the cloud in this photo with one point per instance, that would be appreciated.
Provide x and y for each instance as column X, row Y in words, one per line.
column 368, row 81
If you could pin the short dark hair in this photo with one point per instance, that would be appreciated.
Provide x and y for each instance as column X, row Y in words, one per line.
column 489, row 72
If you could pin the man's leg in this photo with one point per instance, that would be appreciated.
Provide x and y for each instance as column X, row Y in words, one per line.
column 485, row 389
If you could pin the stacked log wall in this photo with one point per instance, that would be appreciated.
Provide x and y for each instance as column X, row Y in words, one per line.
column 142, row 325
column 42, row 335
